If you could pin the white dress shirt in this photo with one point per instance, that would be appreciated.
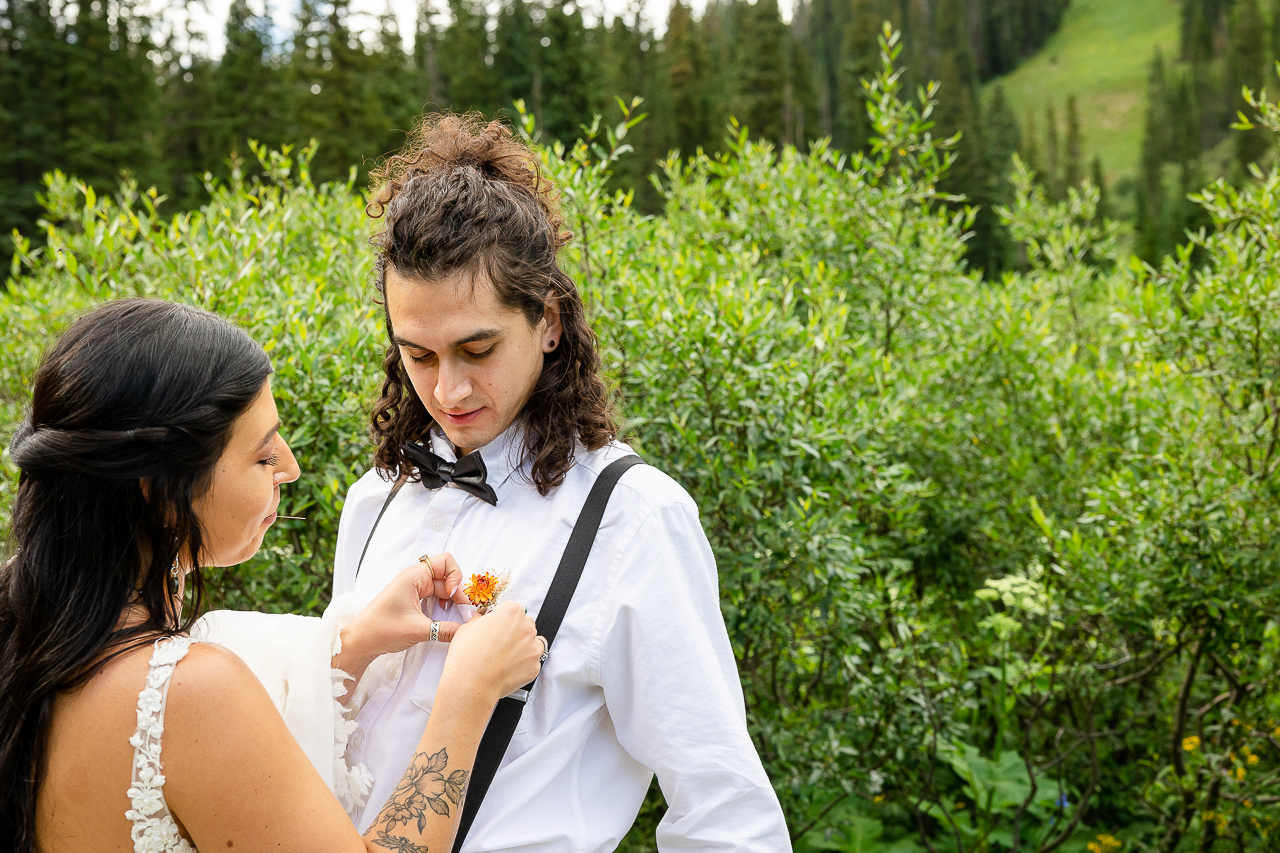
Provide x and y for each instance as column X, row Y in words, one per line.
column 641, row 678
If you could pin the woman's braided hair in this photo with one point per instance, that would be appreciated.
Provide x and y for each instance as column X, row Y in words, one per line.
column 138, row 392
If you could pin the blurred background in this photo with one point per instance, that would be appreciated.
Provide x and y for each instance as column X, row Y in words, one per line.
column 984, row 432
column 1137, row 95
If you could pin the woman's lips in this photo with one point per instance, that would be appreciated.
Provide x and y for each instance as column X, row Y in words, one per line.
column 464, row 418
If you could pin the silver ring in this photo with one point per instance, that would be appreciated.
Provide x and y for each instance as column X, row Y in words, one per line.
column 546, row 649
column 435, row 631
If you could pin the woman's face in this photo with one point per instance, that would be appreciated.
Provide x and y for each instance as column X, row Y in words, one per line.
column 241, row 502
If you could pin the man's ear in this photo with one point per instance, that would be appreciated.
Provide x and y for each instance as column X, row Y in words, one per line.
column 552, row 331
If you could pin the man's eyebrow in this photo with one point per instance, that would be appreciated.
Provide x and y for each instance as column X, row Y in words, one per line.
column 275, row 429
column 478, row 335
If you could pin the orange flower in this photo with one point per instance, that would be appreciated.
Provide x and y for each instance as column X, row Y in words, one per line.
column 481, row 589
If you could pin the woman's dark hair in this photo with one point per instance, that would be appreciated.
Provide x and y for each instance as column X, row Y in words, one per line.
column 139, row 391
column 465, row 195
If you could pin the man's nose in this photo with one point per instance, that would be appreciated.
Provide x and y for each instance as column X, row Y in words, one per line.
column 453, row 386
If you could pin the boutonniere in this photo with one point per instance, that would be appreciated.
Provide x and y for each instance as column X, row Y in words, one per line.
column 483, row 590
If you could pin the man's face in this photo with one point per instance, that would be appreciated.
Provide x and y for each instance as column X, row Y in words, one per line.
column 473, row 361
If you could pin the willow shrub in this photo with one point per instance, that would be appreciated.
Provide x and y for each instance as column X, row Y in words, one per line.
column 997, row 557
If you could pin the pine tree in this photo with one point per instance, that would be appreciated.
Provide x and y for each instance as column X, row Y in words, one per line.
column 1273, row 36
column 1183, row 116
column 960, row 111
column 1073, row 171
column 187, row 116
column 567, row 75
column 110, row 97
column 429, row 84
column 1052, row 161
column 685, row 59
column 828, row 20
column 1003, row 136
column 1031, row 146
column 861, row 55
column 1099, row 178
column 718, row 30
column 393, row 82
column 1150, row 213
column 799, row 95
column 35, row 54
column 464, row 59
column 517, row 64
column 1246, row 62
column 337, row 99
column 762, row 70
column 248, row 98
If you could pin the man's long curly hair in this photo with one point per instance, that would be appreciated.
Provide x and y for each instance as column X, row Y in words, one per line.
column 465, row 195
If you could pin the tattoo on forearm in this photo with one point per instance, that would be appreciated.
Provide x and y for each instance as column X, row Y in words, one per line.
column 423, row 786
column 401, row 845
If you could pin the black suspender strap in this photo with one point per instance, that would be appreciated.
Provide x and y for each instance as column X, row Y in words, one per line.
column 506, row 715
column 395, row 490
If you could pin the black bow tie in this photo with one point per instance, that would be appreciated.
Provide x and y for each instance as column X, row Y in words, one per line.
column 468, row 473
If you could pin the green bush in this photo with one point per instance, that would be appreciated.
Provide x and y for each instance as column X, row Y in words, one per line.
column 997, row 558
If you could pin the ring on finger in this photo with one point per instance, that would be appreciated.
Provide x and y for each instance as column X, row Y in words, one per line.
column 546, row 649
column 427, row 559
column 435, row 631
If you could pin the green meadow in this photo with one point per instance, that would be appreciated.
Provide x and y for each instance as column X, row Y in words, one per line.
column 1102, row 55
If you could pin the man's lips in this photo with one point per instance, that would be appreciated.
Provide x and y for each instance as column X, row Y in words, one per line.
column 462, row 418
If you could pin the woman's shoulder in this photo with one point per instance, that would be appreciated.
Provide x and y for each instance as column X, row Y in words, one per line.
column 213, row 678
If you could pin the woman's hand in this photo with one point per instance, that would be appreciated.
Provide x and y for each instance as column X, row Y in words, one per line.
column 495, row 653
column 394, row 621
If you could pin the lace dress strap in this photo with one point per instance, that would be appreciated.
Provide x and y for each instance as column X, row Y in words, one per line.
column 153, row 828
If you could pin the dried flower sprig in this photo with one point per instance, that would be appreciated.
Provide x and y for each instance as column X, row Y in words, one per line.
column 485, row 589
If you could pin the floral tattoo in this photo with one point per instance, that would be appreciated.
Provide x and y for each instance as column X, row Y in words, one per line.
column 423, row 786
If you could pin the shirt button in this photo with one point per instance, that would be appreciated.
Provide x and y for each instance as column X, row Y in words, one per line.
column 437, row 525
column 357, row 741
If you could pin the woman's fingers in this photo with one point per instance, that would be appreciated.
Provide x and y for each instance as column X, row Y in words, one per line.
column 446, row 630
column 446, row 577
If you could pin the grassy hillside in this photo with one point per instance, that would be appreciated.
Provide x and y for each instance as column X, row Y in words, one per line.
column 1102, row 55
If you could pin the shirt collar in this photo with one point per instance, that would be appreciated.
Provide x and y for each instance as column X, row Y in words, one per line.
column 502, row 456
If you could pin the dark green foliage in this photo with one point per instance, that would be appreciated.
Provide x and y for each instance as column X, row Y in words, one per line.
column 98, row 93
column 762, row 81
column 1246, row 69
column 997, row 557
column 695, row 121
column 517, row 64
column 79, row 94
column 1170, row 168
column 852, row 127
column 249, row 99
column 1099, row 179
column 469, row 82
column 1073, row 168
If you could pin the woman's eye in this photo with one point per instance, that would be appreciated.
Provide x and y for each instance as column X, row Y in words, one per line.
column 273, row 460
column 484, row 354
column 426, row 356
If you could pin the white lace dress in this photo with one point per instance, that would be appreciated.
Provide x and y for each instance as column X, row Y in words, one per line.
column 153, row 828
column 291, row 656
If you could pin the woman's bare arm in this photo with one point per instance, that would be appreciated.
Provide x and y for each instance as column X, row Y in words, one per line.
column 237, row 780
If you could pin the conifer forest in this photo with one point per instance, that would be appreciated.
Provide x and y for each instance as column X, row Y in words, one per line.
column 983, row 426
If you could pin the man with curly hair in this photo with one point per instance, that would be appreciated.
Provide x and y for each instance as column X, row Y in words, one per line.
column 492, row 367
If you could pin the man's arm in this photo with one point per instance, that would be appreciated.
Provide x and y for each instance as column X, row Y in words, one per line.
column 672, row 690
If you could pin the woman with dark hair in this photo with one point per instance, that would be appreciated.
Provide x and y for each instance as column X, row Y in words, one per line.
column 152, row 449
